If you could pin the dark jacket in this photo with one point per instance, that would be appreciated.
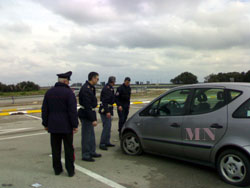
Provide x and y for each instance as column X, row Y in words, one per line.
column 122, row 96
column 88, row 101
column 107, row 99
column 59, row 109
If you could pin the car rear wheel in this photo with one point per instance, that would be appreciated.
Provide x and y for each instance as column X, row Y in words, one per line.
column 234, row 167
column 130, row 144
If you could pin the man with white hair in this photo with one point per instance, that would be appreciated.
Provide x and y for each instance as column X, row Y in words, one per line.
column 59, row 118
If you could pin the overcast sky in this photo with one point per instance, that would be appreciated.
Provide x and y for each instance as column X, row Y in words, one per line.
column 152, row 40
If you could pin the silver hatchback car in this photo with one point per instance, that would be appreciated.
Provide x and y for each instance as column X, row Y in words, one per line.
column 203, row 123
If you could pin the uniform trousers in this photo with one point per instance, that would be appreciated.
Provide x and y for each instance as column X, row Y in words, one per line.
column 56, row 146
column 123, row 115
column 88, row 139
column 106, row 131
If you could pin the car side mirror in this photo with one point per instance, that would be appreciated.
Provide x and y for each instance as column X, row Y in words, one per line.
column 153, row 112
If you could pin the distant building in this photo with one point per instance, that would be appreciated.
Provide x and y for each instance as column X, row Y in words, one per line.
column 102, row 83
column 76, row 85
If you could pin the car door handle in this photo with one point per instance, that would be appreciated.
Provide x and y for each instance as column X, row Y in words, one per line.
column 216, row 126
column 175, row 125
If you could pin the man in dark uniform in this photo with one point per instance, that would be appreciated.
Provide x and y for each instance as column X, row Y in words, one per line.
column 59, row 118
column 106, row 111
column 122, row 98
column 87, row 114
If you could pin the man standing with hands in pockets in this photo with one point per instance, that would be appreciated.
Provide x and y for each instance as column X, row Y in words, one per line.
column 87, row 114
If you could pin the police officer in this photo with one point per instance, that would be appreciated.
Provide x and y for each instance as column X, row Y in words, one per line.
column 59, row 118
column 122, row 98
column 106, row 111
column 87, row 114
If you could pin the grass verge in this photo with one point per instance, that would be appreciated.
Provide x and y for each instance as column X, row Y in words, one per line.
column 22, row 93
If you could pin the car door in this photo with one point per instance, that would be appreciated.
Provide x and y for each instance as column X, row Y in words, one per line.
column 206, row 123
column 162, row 121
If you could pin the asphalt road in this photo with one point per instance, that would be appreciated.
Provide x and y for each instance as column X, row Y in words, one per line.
column 31, row 100
column 21, row 100
column 5, row 101
column 25, row 160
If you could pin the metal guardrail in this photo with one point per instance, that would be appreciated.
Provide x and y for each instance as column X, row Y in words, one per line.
column 21, row 97
column 16, row 99
column 135, row 89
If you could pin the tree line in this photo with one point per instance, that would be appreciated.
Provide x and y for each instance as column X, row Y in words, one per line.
column 189, row 78
column 22, row 86
column 183, row 78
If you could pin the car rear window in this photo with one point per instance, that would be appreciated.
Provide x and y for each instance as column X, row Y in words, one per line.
column 233, row 94
column 243, row 111
column 207, row 100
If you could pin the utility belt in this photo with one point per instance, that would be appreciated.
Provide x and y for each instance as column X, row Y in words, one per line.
column 102, row 110
column 83, row 113
column 82, row 107
column 109, row 105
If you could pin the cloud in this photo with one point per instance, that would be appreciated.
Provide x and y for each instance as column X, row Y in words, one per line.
column 157, row 24
column 145, row 39
column 81, row 11
column 161, row 35
column 4, row 45
column 16, row 28
column 102, row 11
column 53, row 29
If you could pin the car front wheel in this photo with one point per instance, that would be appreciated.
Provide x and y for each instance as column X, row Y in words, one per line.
column 234, row 167
column 130, row 144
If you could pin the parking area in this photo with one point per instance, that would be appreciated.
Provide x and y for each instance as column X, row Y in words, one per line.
column 25, row 160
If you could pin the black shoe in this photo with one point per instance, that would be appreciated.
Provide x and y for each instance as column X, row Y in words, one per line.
column 88, row 159
column 96, row 155
column 110, row 145
column 103, row 147
column 71, row 174
column 58, row 172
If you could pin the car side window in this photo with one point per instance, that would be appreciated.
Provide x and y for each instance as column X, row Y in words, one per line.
column 207, row 100
column 243, row 111
column 172, row 104
column 151, row 110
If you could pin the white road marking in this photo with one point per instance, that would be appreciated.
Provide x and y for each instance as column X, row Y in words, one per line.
column 22, row 136
column 13, row 130
column 4, row 131
column 77, row 167
column 136, row 107
column 99, row 177
column 96, row 176
column 14, row 137
column 33, row 116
